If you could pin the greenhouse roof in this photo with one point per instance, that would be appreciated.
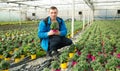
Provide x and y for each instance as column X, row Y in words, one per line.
column 62, row 4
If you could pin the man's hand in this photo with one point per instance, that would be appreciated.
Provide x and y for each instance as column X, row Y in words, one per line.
column 57, row 32
column 51, row 33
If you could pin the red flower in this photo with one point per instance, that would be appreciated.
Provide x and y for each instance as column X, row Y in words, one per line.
column 93, row 58
column 79, row 53
column 118, row 55
column 89, row 56
column 74, row 63
column 118, row 66
column 54, row 30
column 57, row 70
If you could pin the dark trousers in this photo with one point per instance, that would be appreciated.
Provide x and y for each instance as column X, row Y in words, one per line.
column 57, row 42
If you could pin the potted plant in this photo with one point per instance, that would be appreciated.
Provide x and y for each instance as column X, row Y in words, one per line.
column 75, row 59
column 33, row 53
column 107, row 48
column 112, row 40
column 17, row 56
column 96, row 66
column 71, row 50
column 81, row 66
column 10, row 49
column 118, row 50
column 22, row 53
column 4, row 65
column 16, row 46
column 6, row 55
column 112, row 63
column 46, row 69
column 63, row 60
column 55, row 66
column 79, row 47
column 76, row 68
column 1, row 52
column 54, row 26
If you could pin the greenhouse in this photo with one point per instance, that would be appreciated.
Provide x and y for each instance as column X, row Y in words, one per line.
column 92, row 25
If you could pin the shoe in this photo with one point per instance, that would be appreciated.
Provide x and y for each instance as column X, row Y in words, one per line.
column 48, row 54
column 56, row 52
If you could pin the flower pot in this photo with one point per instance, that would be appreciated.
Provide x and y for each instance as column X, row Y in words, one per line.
column 11, row 52
column 63, row 65
column 17, row 60
column 33, row 56
column 71, row 55
column 7, row 59
column 22, row 56
column 15, row 49
column 5, row 70
column 68, row 36
column 75, row 50
column 1, row 56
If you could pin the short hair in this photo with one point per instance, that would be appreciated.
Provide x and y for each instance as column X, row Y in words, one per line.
column 53, row 7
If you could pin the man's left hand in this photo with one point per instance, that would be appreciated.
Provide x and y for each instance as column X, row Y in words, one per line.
column 57, row 32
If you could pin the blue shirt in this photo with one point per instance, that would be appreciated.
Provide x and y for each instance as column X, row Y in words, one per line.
column 43, row 30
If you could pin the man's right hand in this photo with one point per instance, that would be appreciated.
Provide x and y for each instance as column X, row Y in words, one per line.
column 51, row 33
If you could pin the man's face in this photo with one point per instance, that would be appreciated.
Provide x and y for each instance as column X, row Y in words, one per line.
column 53, row 13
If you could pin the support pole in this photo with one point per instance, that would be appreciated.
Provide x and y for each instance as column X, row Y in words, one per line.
column 88, row 17
column 83, row 18
column 20, row 14
column 35, row 14
column 73, row 10
column 9, row 16
column 92, row 16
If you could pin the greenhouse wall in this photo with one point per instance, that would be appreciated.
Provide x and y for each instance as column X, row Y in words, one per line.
column 11, row 16
column 65, row 14
column 106, row 14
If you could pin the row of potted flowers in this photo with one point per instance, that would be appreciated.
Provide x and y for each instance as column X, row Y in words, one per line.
column 95, row 51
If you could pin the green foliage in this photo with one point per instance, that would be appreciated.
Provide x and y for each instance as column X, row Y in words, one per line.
column 64, row 57
column 4, row 65
column 79, row 46
column 17, row 54
column 81, row 66
column 76, row 68
column 21, row 50
column 33, row 50
column 71, row 48
column 55, row 65
column 54, row 26
column 75, row 57
column 6, row 54
column 97, row 66
column 46, row 69
column 1, row 50
column 112, row 63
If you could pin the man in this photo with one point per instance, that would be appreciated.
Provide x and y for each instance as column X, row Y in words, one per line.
column 50, row 40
